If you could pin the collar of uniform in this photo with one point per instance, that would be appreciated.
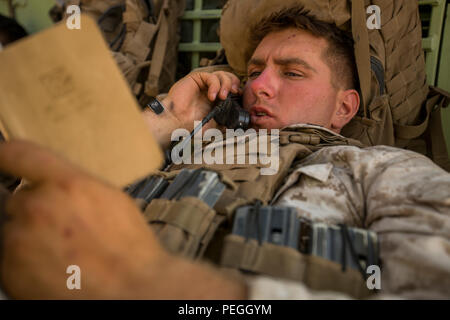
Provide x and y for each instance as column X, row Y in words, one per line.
column 327, row 137
column 311, row 126
column 320, row 172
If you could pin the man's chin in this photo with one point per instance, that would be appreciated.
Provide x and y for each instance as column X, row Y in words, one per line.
column 263, row 122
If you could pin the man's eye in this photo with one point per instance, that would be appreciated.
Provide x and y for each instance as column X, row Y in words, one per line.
column 254, row 74
column 293, row 74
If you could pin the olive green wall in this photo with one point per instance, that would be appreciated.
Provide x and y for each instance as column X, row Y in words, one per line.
column 33, row 15
column 444, row 74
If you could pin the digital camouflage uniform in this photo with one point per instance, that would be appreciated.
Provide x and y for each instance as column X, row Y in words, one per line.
column 328, row 179
column 401, row 195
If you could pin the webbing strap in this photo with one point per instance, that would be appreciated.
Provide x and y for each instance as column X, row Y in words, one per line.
column 288, row 263
column 191, row 215
column 146, row 32
column 437, row 99
column 184, row 227
column 151, row 86
column 436, row 139
column 362, row 50
column 139, row 45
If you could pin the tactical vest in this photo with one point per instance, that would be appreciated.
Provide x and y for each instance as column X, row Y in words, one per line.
column 187, row 226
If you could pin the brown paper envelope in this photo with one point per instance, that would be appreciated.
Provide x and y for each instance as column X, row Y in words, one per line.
column 62, row 89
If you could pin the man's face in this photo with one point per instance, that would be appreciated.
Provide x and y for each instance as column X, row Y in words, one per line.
column 289, row 82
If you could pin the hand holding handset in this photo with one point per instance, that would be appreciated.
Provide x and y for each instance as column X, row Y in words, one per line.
column 228, row 113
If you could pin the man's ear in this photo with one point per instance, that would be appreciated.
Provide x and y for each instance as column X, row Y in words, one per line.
column 347, row 105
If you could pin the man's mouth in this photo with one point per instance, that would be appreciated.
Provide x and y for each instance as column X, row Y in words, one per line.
column 260, row 116
column 260, row 112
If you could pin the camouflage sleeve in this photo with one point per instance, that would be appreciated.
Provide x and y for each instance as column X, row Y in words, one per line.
column 401, row 195
column 408, row 205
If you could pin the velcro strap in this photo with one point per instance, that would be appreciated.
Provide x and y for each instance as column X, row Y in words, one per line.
column 189, row 214
column 183, row 226
column 267, row 259
column 284, row 262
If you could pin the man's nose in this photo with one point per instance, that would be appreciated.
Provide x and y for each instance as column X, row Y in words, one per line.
column 263, row 86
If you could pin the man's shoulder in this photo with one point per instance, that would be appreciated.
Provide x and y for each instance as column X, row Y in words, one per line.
column 379, row 150
column 368, row 159
column 342, row 152
column 358, row 169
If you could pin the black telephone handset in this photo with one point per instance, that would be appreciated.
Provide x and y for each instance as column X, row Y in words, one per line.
column 230, row 114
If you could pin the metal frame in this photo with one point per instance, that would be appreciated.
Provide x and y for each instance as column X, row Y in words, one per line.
column 443, row 80
column 196, row 46
column 431, row 44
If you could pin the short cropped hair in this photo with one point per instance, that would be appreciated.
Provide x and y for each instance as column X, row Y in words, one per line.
column 339, row 55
